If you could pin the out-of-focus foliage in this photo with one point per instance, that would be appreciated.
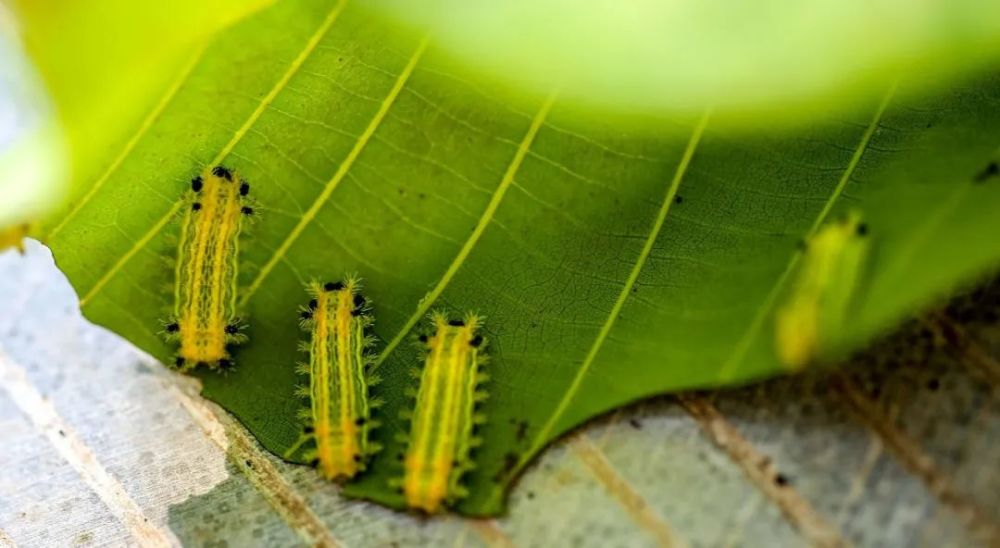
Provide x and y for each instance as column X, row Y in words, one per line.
column 102, row 64
column 32, row 156
column 766, row 58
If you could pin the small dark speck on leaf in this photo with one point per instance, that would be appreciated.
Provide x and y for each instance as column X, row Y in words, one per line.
column 992, row 169
column 522, row 430
column 509, row 463
column 635, row 423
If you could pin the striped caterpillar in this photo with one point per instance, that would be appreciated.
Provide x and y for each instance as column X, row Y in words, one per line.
column 819, row 302
column 444, row 417
column 339, row 414
column 205, row 319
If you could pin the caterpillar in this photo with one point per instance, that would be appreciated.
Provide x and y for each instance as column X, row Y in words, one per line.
column 205, row 280
column 339, row 413
column 444, row 417
column 820, row 299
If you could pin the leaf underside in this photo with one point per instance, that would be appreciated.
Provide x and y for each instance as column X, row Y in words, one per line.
column 614, row 257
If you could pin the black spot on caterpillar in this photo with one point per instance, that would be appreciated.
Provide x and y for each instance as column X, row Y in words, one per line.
column 223, row 172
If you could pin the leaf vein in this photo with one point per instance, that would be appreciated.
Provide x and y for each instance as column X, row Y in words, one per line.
column 743, row 345
column 623, row 295
column 147, row 123
column 477, row 232
column 339, row 175
column 278, row 86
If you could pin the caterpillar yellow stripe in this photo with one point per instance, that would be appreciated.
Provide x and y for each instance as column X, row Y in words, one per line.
column 339, row 412
column 444, row 417
column 818, row 304
column 207, row 268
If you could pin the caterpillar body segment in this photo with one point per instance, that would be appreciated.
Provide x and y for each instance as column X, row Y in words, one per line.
column 443, row 419
column 205, row 317
column 340, row 409
column 820, row 300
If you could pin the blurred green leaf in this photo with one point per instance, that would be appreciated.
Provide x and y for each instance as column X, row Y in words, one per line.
column 102, row 63
column 32, row 167
column 759, row 59
column 616, row 256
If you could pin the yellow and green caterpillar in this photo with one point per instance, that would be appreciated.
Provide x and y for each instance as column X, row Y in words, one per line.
column 819, row 303
column 205, row 280
column 444, row 416
column 339, row 413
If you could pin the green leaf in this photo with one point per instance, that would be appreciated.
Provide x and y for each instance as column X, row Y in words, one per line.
column 615, row 256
